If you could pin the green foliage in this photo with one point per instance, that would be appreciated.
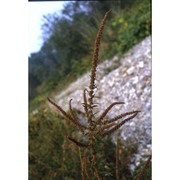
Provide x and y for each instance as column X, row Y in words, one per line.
column 148, row 172
column 68, row 40
column 51, row 156
column 130, row 27
column 93, row 128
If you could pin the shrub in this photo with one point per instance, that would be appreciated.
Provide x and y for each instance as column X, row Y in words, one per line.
column 94, row 128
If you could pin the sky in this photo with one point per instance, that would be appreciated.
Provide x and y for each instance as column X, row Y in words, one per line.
column 36, row 10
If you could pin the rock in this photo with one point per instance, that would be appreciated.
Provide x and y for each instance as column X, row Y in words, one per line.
column 130, row 70
column 135, row 79
column 141, row 64
column 129, row 82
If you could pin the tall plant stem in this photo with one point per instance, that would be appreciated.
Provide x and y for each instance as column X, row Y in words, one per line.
column 92, row 85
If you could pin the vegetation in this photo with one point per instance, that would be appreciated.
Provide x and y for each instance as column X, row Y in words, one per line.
column 68, row 41
column 52, row 156
column 93, row 164
column 91, row 153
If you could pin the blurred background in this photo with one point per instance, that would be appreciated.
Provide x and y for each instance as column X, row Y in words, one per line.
column 64, row 34
column 65, row 43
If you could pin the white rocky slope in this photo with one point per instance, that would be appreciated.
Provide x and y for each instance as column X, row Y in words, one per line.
column 126, row 79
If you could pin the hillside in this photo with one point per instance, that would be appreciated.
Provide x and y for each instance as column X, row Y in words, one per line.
column 126, row 79
column 68, row 41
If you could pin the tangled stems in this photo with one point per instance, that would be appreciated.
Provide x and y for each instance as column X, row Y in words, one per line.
column 95, row 127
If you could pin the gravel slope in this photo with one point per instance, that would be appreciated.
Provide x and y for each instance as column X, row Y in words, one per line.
column 126, row 79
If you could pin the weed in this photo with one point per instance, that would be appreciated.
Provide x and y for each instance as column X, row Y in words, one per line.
column 96, row 126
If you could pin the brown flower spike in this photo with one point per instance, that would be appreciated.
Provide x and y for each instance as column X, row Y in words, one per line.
column 96, row 126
